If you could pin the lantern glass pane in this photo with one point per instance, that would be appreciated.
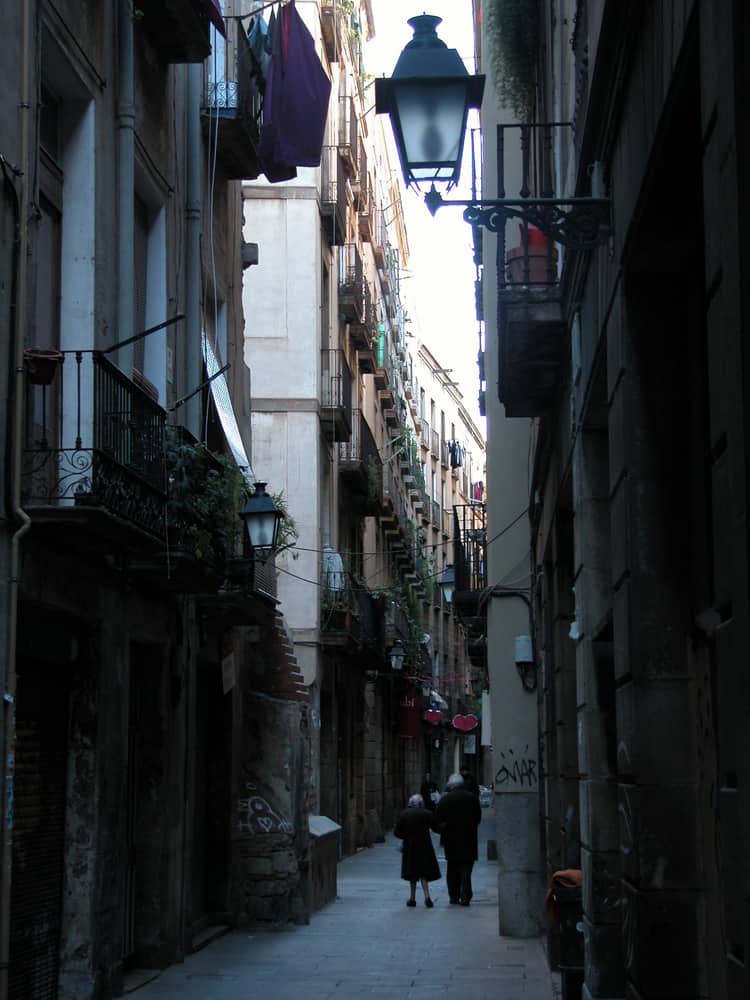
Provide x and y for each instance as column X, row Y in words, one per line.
column 261, row 528
column 432, row 117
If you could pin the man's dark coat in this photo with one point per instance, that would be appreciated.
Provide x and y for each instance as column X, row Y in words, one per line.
column 458, row 815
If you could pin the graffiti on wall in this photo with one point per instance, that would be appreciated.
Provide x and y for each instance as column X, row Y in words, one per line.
column 516, row 771
column 255, row 815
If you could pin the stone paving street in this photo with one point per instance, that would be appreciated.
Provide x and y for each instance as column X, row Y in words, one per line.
column 368, row 943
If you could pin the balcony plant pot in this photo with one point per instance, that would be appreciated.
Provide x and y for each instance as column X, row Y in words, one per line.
column 41, row 364
column 541, row 255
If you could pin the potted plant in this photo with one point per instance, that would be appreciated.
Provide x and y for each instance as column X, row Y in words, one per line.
column 41, row 364
column 512, row 30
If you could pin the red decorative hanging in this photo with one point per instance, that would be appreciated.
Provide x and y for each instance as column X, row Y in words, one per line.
column 465, row 723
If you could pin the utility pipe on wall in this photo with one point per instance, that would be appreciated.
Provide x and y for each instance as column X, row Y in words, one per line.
column 16, row 412
column 193, row 353
column 125, row 184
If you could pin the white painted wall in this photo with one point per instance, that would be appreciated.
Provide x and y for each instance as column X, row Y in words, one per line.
column 281, row 302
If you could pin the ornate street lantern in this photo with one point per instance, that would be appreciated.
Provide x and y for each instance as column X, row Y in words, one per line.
column 262, row 520
column 428, row 100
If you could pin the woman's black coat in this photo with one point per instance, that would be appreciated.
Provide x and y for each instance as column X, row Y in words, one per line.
column 418, row 860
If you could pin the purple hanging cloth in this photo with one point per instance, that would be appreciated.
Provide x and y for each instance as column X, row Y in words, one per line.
column 295, row 109
column 213, row 8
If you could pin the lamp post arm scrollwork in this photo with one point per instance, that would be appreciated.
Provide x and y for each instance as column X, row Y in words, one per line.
column 576, row 223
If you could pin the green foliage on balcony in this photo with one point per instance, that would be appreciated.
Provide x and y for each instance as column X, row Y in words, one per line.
column 512, row 31
column 205, row 493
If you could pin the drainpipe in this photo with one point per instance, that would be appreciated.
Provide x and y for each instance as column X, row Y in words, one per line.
column 193, row 352
column 125, row 186
column 15, row 442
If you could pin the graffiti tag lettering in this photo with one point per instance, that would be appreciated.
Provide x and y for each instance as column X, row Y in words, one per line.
column 516, row 770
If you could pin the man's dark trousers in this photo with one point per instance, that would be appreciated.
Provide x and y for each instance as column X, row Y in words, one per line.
column 458, row 877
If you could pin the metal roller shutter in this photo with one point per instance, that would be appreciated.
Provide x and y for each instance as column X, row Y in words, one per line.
column 38, row 834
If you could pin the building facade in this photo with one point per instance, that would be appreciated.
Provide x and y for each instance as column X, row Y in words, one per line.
column 624, row 367
column 337, row 422
column 155, row 727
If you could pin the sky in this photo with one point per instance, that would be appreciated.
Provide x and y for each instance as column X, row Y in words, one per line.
column 440, row 275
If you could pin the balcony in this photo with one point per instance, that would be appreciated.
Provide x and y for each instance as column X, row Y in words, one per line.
column 383, row 364
column 445, row 458
column 425, row 434
column 232, row 106
column 360, row 466
column 350, row 616
column 532, row 332
column 349, row 135
column 435, row 514
column 177, row 28
column 469, row 559
column 395, row 513
column 351, row 284
column 447, row 522
column 94, row 440
column 329, row 27
column 380, row 243
column 434, row 444
column 363, row 335
column 365, row 205
column 335, row 396
column 333, row 196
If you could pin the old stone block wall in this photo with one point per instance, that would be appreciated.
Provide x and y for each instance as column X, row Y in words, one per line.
column 270, row 840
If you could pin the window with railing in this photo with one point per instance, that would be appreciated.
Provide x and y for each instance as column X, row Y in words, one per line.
column 102, row 442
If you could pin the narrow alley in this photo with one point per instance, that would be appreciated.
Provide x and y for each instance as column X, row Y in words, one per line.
column 367, row 942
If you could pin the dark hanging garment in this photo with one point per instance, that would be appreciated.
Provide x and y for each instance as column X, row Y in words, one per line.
column 257, row 37
column 296, row 100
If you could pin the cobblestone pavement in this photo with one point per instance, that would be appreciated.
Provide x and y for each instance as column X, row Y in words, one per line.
column 368, row 943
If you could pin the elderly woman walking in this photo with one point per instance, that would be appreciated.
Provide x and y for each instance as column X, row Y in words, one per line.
column 418, row 861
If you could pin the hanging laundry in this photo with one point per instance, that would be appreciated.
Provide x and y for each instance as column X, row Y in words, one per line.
column 295, row 109
column 213, row 9
column 260, row 52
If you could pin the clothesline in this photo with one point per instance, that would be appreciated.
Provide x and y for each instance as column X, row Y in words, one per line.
column 265, row 6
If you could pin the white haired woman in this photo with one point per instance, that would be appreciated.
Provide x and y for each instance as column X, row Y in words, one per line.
column 418, row 861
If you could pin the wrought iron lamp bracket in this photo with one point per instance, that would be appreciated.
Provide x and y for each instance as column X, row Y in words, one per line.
column 576, row 223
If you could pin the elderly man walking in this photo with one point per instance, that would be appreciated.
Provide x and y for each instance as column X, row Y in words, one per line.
column 458, row 816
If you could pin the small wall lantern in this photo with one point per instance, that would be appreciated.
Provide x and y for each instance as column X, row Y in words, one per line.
column 262, row 520
column 398, row 653
column 448, row 584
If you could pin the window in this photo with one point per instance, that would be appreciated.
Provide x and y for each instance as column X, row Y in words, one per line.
column 149, row 288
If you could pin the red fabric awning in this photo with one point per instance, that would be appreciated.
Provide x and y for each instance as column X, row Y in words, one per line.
column 213, row 8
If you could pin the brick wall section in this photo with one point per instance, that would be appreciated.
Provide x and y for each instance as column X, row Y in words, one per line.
column 274, row 666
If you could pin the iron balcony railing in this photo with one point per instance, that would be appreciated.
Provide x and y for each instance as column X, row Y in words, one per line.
column 435, row 514
column 425, row 435
column 351, row 283
column 233, row 102
column 333, row 195
column 383, row 358
column 530, row 257
column 393, row 497
column 93, row 436
column 361, row 447
column 469, row 544
column 349, row 133
column 435, row 443
column 336, row 387
column 445, row 459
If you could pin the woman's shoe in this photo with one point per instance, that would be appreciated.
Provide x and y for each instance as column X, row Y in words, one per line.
column 429, row 904
column 411, row 902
